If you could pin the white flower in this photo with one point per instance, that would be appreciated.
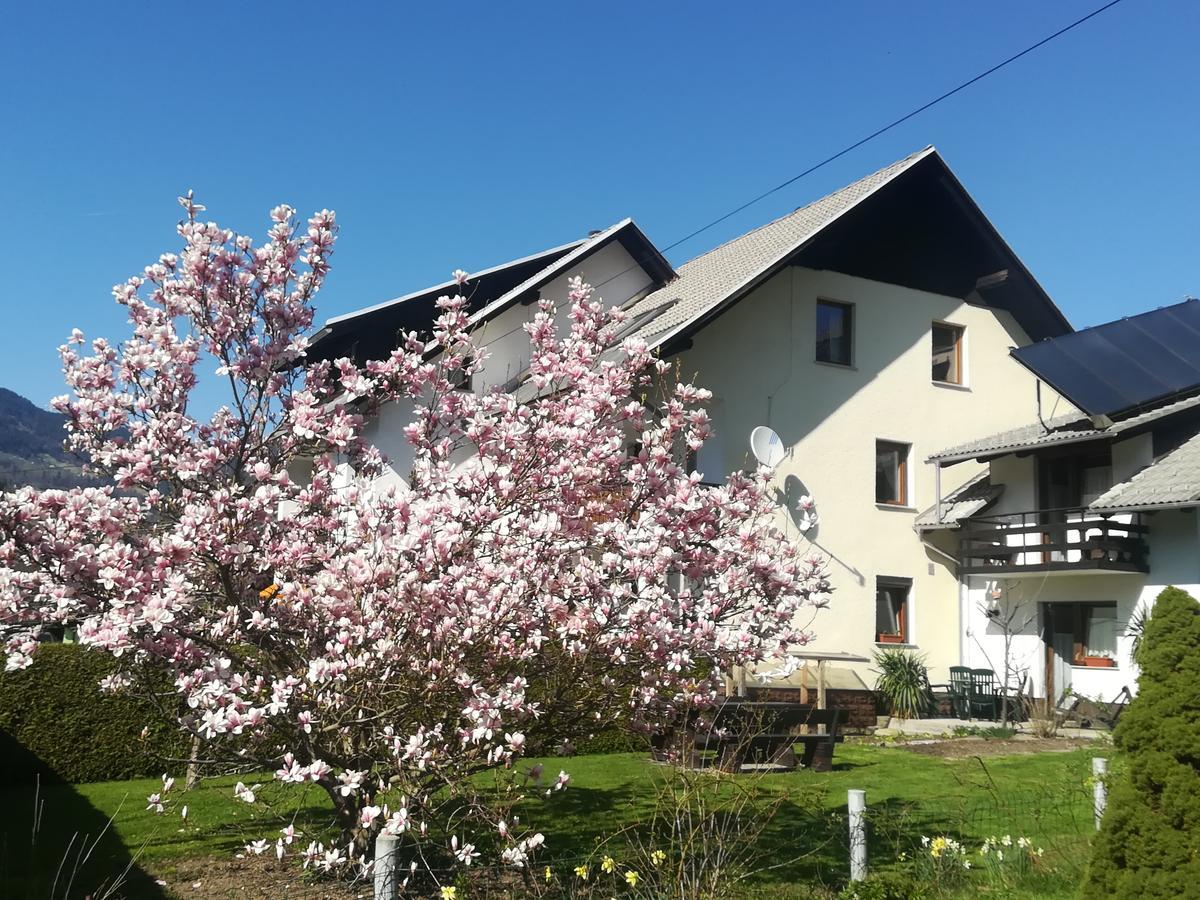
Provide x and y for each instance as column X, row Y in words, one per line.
column 369, row 814
column 256, row 847
column 243, row 793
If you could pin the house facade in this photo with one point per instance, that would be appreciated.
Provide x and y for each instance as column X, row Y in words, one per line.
column 867, row 329
column 1080, row 520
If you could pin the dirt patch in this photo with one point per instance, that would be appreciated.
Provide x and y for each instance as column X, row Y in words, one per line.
column 250, row 878
column 962, row 748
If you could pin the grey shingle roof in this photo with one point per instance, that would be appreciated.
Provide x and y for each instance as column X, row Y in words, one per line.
column 1061, row 430
column 973, row 497
column 712, row 279
column 1172, row 479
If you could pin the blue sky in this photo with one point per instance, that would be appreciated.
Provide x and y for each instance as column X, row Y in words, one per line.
column 462, row 135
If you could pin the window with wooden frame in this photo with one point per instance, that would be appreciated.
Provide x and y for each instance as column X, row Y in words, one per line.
column 948, row 353
column 1095, row 634
column 835, row 333
column 891, row 473
column 891, row 610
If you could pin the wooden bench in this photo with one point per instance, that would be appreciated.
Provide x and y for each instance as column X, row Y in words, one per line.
column 741, row 732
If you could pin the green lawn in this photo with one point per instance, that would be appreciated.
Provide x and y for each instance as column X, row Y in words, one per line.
column 1043, row 796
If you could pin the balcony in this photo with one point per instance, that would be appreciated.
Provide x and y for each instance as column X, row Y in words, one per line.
column 1054, row 540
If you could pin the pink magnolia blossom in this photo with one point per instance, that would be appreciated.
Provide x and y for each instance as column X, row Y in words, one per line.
column 389, row 643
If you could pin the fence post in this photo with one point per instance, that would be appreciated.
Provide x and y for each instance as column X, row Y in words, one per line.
column 1099, row 787
column 387, row 878
column 857, row 803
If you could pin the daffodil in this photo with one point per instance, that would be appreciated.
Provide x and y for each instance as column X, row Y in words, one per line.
column 608, row 865
column 658, row 857
column 449, row 892
column 549, row 874
column 631, row 878
column 581, row 872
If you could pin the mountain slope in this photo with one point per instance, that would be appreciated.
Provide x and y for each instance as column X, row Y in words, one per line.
column 31, row 446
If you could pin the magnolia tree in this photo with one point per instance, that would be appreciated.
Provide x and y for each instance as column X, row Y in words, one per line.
column 390, row 645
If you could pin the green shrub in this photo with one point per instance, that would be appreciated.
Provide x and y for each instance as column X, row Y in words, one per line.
column 1149, row 843
column 612, row 740
column 55, row 723
column 904, row 682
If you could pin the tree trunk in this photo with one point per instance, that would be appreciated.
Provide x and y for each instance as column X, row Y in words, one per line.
column 193, row 768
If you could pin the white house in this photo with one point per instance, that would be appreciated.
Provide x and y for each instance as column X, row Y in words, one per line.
column 1080, row 520
column 869, row 329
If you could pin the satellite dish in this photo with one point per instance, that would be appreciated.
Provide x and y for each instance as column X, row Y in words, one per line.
column 767, row 446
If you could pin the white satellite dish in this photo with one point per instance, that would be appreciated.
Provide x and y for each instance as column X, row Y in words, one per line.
column 767, row 446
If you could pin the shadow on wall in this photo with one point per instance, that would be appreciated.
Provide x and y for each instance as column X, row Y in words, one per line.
column 54, row 845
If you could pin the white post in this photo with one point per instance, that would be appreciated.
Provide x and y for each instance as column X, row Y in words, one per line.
column 387, row 876
column 857, row 803
column 1099, row 787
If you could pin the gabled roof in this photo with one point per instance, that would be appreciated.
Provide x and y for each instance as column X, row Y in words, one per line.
column 713, row 281
column 371, row 333
column 973, row 497
column 1123, row 365
column 1171, row 480
column 626, row 232
column 1069, row 429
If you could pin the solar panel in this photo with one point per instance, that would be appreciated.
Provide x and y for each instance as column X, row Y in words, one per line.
column 1122, row 365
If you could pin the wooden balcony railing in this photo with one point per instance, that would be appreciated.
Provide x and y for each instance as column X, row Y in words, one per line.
column 1049, row 540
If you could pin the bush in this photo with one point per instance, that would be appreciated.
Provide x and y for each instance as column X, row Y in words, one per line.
column 1149, row 842
column 55, row 722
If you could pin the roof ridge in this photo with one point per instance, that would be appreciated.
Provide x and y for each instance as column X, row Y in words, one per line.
column 912, row 157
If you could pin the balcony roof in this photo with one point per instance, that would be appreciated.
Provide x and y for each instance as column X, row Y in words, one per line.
column 1171, row 480
column 971, row 499
column 1069, row 429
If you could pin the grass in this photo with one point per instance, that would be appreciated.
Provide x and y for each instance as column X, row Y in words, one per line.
column 1042, row 796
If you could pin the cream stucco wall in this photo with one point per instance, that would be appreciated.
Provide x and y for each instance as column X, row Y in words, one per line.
column 758, row 359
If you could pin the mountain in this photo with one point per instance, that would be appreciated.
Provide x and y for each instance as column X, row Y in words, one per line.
column 31, row 449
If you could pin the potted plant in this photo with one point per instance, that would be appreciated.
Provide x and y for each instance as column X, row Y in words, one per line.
column 903, row 682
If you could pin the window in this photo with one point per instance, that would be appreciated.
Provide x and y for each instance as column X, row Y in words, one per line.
column 891, row 473
column 947, row 353
column 835, row 332
column 891, row 610
column 1095, row 633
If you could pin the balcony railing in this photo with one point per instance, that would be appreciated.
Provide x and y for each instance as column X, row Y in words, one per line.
column 1054, row 540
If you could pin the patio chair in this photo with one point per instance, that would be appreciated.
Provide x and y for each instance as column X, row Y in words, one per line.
column 960, row 691
column 985, row 694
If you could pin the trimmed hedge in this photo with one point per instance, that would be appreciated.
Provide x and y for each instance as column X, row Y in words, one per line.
column 55, row 722
column 1149, row 841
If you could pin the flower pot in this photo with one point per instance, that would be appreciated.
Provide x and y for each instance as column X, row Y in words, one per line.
column 1100, row 662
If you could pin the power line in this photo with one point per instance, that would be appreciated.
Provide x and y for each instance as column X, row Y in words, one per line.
column 888, row 127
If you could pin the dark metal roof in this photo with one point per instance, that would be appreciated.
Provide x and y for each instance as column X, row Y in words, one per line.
column 1123, row 365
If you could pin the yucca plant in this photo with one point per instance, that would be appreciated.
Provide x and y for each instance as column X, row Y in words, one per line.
column 903, row 681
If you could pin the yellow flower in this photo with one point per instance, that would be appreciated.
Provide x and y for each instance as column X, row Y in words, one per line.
column 632, row 878
column 549, row 874
column 608, row 864
column 658, row 857
column 449, row 893
column 936, row 848
column 582, row 872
